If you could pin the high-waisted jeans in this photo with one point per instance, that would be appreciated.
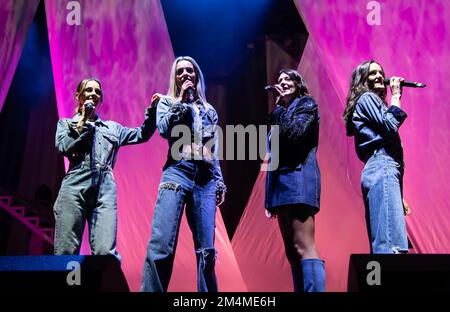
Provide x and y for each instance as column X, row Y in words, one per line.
column 88, row 192
column 187, row 182
column 381, row 182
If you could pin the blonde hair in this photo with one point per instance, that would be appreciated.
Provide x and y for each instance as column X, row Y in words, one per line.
column 80, row 89
column 174, row 91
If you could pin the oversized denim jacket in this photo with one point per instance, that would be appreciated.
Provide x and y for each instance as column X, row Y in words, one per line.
column 297, row 179
column 376, row 126
column 99, row 142
column 298, row 131
column 203, row 127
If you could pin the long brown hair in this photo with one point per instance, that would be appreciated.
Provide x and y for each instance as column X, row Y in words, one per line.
column 358, row 85
column 80, row 89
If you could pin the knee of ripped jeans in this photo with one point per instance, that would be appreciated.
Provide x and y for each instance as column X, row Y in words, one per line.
column 398, row 250
column 207, row 256
column 169, row 186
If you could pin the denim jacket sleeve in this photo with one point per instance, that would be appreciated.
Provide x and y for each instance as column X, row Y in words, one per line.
column 218, row 173
column 140, row 134
column 217, row 170
column 293, row 127
column 369, row 108
column 167, row 116
column 68, row 139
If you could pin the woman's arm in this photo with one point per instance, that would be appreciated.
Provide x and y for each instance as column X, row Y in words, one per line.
column 140, row 134
column 369, row 107
column 68, row 139
column 294, row 128
column 221, row 188
column 169, row 115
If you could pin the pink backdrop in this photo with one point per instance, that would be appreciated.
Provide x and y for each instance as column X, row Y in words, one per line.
column 126, row 45
column 412, row 41
column 16, row 17
column 128, row 48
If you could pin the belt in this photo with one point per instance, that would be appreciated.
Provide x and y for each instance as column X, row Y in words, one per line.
column 197, row 152
column 103, row 167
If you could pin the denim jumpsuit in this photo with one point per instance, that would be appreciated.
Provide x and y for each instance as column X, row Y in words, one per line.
column 191, row 181
column 88, row 191
column 378, row 144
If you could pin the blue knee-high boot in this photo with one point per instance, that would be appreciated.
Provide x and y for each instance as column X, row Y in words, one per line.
column 313, row 275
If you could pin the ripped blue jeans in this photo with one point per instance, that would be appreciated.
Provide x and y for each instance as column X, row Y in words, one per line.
column 189, row 183
column 382, row 191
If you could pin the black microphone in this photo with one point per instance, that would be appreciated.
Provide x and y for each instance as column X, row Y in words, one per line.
column 270, row 88
column 88, row 106
column 404, row 83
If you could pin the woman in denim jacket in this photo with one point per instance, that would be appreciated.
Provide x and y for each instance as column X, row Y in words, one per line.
column 88, row 191
column 375, row 127
column 293, row 189
column 191, row 177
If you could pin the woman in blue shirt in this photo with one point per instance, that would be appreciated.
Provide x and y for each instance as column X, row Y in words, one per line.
column 293, row 188
column 191, row 177
column 88, row 191
column 375, row 125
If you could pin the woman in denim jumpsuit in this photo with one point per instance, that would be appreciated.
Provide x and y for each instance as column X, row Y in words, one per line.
column 88, row 191
column 191, row 177
column 375, row 128
column 293, row 189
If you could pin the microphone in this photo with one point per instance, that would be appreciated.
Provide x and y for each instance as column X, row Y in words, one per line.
column 270, row 88
column 404, row 83
column 88, row 106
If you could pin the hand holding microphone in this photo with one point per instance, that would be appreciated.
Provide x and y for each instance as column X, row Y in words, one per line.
column 275, row 89
column 396, row 85
column 187, row 91
column 89, row 106
column 277, row 92
column 404, row 83
column 87, row 110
